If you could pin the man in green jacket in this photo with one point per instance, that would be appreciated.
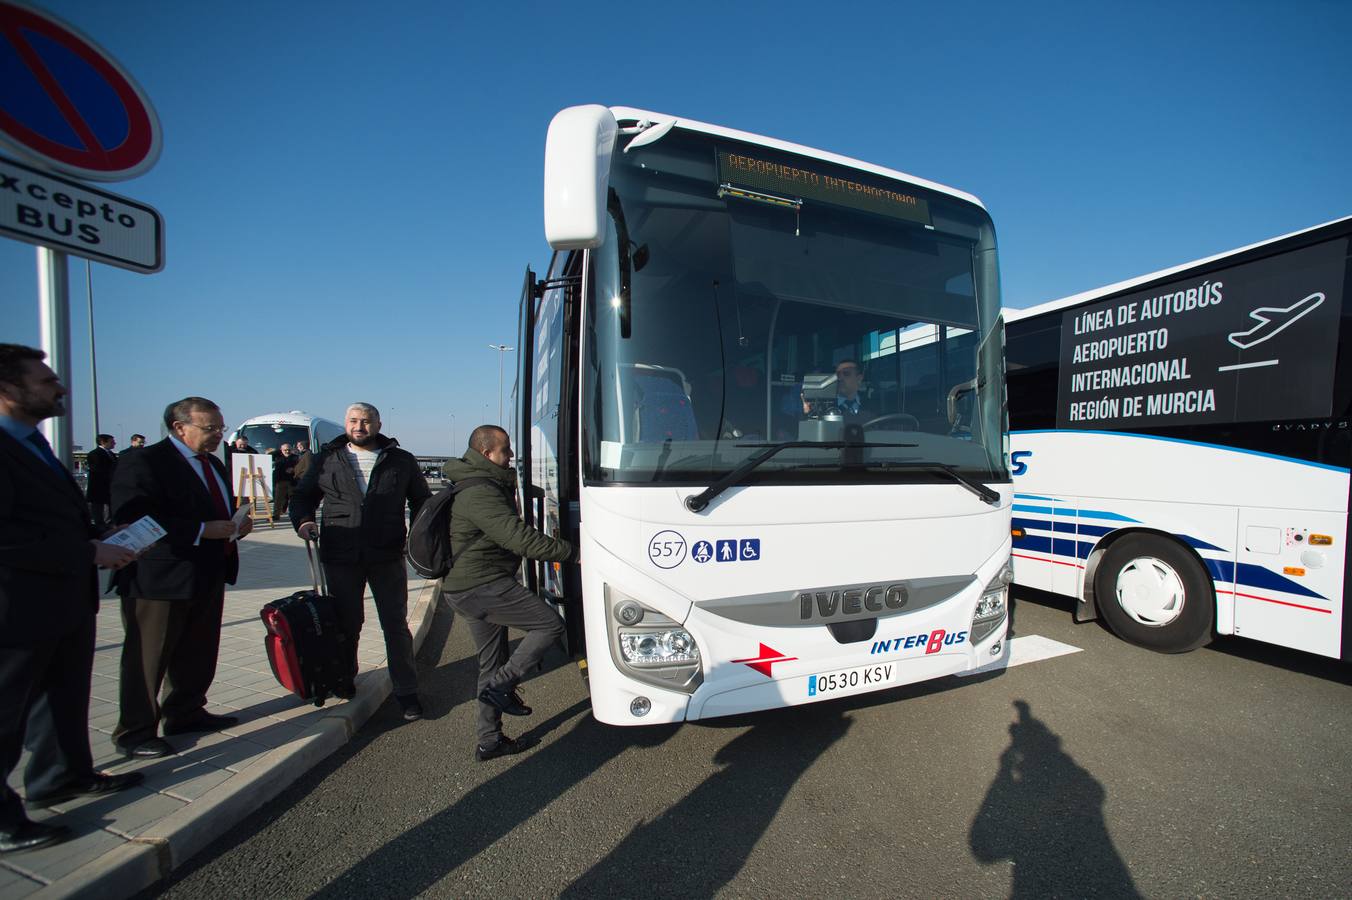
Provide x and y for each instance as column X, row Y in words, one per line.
column 489, row 539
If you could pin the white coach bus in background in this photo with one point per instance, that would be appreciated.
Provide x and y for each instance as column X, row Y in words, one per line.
column 744, row 544
column 1180, row 447
column 271, row 430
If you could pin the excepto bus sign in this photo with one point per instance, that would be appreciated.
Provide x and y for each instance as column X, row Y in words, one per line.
column 55, row 212
column 1249, row 343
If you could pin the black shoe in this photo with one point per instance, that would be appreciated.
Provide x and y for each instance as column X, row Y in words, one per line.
column 504, row 747
column 504, row 700
column 412, row 708
column 153, row 748
column 97, row 785
column 346, row 690
column 31, row 835
column 203, row 721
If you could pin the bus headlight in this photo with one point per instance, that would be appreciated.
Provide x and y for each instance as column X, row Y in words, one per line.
column 658, row 648
column 994, row 603
column 649, row 647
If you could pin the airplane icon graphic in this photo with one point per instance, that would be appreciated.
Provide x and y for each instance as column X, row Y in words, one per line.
column 1273, row 320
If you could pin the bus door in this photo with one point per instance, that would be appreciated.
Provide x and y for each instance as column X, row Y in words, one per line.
column 546, row 434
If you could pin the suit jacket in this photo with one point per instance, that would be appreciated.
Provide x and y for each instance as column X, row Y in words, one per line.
column 47, row 578
column 102, row 465
column 159, row 482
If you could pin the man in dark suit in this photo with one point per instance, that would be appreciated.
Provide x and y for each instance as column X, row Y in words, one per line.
column 174, row 594
column 48, row 601
column 102, row 462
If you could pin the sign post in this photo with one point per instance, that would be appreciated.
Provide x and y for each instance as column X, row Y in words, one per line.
column 68, row 106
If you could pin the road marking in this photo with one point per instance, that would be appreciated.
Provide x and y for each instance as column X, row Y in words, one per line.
column 1029, row 648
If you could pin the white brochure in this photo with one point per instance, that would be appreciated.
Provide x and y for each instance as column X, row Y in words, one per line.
column 138, row 535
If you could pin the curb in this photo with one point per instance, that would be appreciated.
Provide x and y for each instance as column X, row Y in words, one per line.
column 166, row 845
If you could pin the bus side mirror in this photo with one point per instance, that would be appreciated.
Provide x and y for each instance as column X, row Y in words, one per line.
column 577, row 176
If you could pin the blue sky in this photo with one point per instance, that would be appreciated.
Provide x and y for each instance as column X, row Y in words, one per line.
column 352, row 191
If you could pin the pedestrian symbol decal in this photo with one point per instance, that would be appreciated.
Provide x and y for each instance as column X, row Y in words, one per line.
column 727, row 551
column 703, row 552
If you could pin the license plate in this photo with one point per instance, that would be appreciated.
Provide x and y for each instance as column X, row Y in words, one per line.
column 844, row 680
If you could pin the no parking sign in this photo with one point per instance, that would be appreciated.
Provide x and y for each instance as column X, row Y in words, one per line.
column 67, row 104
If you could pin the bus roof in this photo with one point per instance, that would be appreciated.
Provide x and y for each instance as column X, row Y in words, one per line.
column 1011, row 315
column 622, row 113
column 295, row 417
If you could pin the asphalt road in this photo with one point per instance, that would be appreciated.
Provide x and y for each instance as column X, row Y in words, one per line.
column 1111, row 772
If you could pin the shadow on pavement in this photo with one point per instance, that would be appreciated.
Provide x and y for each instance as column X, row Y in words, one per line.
column 1044, row 814
column 423, row 855
column 730, row 811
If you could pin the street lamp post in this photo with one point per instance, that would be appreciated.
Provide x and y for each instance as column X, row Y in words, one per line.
column 501, row 348
column 453, row 434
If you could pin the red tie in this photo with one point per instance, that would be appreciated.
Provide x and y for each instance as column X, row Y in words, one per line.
column 217, row 498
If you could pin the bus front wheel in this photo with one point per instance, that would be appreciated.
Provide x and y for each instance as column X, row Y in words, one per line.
column 1152, row 592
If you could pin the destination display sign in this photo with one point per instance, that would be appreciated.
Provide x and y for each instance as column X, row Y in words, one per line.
column 1254, row 342
column 797, row 183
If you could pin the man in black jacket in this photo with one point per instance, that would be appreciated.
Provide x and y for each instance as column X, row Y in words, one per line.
column 102, row 463
column 173, row 596
column 48, row 602
column 364, row 480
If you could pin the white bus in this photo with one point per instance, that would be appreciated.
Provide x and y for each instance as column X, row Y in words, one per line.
column 746, row 544
column 1180, row 447
column 271, row 430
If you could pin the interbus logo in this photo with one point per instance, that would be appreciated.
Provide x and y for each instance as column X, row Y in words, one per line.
column 851, row 601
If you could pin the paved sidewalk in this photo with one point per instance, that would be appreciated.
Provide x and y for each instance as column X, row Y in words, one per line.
column 129, row 840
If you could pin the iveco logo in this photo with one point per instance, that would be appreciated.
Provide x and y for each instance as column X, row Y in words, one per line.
column 851, row 601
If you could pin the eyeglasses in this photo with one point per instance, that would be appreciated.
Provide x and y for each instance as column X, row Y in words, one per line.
column 209, row 429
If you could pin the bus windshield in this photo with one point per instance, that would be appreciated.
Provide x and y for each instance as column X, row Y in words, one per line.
column 271, row 437
column 722, row 321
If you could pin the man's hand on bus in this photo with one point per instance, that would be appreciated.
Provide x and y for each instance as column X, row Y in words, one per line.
column 308, row 530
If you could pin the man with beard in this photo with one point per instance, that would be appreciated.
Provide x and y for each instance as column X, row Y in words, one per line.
column 48, row 602
column 174, row 595
column 364, row 480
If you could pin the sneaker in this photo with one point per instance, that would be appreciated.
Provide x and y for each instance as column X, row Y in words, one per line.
column 505, row 700
column 412, row 708
column 504, row 747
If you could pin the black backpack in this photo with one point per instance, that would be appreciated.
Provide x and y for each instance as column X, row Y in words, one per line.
column 429, row 537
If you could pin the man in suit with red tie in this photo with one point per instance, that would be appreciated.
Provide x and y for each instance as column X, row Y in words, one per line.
column 48, row 602
column 173, row 596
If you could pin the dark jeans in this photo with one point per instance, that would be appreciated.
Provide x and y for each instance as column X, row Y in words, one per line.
column 389, row 587
column 44, row 703
column 174, row 639
column 489, row 610
column 281, row 497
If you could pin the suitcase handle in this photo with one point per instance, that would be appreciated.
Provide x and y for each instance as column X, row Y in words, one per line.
column 316, row 570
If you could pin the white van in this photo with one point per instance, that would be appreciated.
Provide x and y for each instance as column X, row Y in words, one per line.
column 271, row 430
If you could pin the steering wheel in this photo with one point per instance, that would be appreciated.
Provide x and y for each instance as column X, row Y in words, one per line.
column 908, row 421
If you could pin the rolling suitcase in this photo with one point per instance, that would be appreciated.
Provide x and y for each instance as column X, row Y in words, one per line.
column 310, row 655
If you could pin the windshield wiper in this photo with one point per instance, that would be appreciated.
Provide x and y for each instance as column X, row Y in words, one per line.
column 697, row 502
column 986, row 494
